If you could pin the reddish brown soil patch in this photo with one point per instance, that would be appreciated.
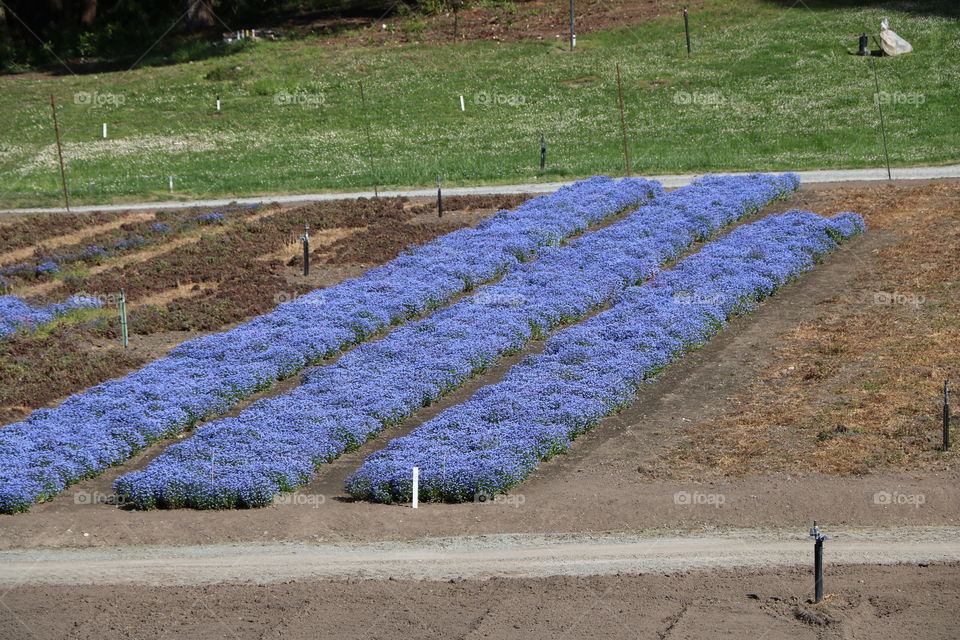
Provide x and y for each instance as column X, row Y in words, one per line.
column 506, row 22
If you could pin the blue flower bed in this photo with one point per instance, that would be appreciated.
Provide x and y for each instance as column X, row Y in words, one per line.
column 494, row 440
column 107, row 424
column 17, row 314
column 277, row 443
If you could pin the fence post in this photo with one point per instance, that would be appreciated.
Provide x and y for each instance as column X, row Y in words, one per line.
column 63, row 173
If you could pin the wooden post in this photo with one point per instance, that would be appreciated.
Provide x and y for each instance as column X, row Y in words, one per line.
column 623, row 121
column 883, row 127
column 63, row 173
column 366, row 126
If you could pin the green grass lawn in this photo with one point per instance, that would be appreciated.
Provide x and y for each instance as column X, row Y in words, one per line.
column 767, row 88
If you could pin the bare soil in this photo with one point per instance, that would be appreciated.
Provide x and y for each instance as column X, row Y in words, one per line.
column 498, row 22
column 862, row 602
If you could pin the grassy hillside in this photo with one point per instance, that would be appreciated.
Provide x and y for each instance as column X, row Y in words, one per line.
column 767, row 87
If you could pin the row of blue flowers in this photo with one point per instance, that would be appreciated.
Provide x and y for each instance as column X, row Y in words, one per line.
column 277, row 443
column 494, row 440
column 204, row 377
column 16, row 314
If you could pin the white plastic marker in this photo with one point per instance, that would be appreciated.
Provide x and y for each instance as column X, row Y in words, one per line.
column 218, row 104
column 462, row 107
column 416, row 486
column 171, row 184
column 104, row 129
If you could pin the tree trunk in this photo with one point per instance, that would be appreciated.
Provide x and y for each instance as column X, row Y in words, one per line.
column 88, row 11
column 199, row 13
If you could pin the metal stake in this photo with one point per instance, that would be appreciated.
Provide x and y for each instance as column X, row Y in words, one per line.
column 439, row 199
column 817, row 561
column 573, row 35
column 543, row 153
column 686, row 27
column 63, row 173
column 946, row 415
column 305, row 238
column 123, row 319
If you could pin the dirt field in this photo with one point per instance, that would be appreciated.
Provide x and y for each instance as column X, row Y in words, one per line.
column 873, row 603
column 824, row 404
column 533, row 20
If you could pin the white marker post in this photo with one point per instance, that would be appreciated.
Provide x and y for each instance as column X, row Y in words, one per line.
column 171, row 184
column 416, row 486
column 218, row 105
column 462, row 106
column 104, row 130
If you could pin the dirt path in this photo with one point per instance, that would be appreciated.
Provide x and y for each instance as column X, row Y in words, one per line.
column 482, row 557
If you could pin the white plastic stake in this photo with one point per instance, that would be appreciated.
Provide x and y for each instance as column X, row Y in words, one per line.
column 416, row 486
column 171, row 184
column 218, row 104
column 462, row 107
column 104, row 130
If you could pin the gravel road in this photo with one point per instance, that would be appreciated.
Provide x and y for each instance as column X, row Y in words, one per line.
column 807, row 177
column 505, row 555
